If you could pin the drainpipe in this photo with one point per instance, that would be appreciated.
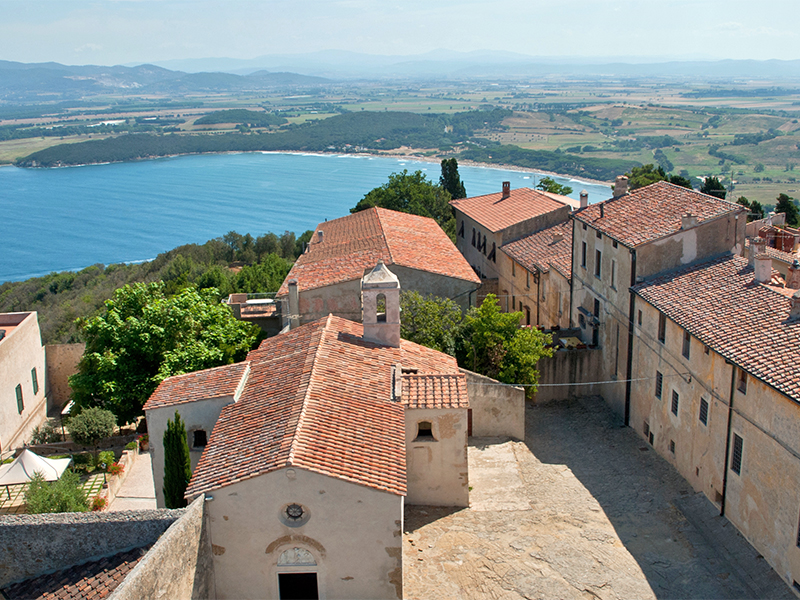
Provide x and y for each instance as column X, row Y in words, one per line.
column 631, row 325
column 728, row 441
column 538, row 295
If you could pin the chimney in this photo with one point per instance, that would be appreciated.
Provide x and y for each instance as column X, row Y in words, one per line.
column 319, row 236
column 793, row 277
column 757, row 246
column 506, row 189
column 294, row 304
column 763, row 268
column 688, row 221
column 557, row 238
column 794, row 310
column 620, row 186
column 602, row 209
column 584, row 198
column 381, row 328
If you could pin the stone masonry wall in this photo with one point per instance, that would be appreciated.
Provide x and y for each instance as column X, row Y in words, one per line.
column 32, row 545
column 569, row 367
column 62, row 361
column 180, row 565
column 497, row 410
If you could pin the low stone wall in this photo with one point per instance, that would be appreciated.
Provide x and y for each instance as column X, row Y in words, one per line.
column 179, row 566
column 114, row 442
column 32, row 545
column 569, row 369
column 114, row 482
column 497, row 410
column 61, row 361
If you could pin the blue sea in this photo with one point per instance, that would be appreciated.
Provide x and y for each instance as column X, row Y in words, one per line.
column 70, row 218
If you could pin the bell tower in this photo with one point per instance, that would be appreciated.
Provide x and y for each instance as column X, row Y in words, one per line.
column 380, row 300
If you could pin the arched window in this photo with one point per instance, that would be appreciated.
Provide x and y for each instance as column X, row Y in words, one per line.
column 425, row 432
column 381, row 304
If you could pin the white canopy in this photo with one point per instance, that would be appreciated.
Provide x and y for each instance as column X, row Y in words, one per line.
column 28, row 463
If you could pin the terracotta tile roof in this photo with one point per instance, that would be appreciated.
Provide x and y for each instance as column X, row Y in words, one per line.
column 746, row 322
column 318, row 398
column 209, row 383
column 780, row 255
column 356, row 242
column 496, row 213
column 539, row 251
column 652, row 212
column 94, row 579
column 435, row 391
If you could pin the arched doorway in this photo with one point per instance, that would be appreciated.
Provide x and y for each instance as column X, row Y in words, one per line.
column 297, row 575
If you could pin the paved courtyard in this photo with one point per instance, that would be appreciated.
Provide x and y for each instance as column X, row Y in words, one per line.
column 583, row 509
column 137, row 491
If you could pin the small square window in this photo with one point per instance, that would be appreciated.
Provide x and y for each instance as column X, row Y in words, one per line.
column 675, row 400
column 687, row 342
column 659, row 384
column 614, row 243
column 742, row 387
column 672, row 446
column 199, row 438
column 425, row 431
column 703, row 411
column 584, row 226
column 20, row 403
column 662, row 327
column 599, row 235
column 35, row 381
column 706, row 350
column 736, row 460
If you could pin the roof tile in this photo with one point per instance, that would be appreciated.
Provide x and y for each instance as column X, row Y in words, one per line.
column 497, row 213
column 543, row 249
column 199, row 385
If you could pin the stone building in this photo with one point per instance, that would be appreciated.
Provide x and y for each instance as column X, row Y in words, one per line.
column 23, row 401
column 485, row 223
column 326, row 278
column 628, row 239
column 313, row 444
column 716, row 391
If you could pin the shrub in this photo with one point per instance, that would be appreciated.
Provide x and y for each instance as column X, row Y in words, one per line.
column 116, row 468
column 91, row 426
column 98, row 503
column 131, row 445
column 105, row 458
column 177, row 466
column 45, row 434
column 64, row 495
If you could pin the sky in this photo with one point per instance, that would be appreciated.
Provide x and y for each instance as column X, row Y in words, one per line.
column 137, row 31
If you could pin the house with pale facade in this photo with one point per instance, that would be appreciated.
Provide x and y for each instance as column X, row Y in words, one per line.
column 313, row 444
column 23, row 400
column 715, row 390
column 326, row 278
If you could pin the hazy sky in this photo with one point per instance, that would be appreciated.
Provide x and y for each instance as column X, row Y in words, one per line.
column 132, row 31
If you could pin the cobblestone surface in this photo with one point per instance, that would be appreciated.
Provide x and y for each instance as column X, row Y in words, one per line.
column 582, row 509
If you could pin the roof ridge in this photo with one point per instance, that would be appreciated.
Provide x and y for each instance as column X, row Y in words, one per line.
column 312, row 359
column 383, row 236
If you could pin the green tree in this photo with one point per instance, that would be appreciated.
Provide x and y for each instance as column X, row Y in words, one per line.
column 450, row 179
column 412, row 193
column 680, row 180
column 788, row 205
column 647, row 174
column 64, row 495
column 144, row 337
column 430, row 321
column 177, row 466
column 548, row 184
column 91, row 426
column 713, row 187
column 759, row 168
column 755, row 210
column 493, row 344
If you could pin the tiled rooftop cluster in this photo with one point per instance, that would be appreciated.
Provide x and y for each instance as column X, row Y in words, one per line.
column 210, row 383
column 551, row 247
column 89, row 581
column 351, row 244
column 721, row 304
column 320, row 397
column 496, row 212
column 435, row 391
column 652, row 212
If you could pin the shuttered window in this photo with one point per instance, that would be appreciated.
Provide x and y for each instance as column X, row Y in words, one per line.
column 736, row 461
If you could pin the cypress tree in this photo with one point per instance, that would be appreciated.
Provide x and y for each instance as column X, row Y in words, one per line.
column 177, row 468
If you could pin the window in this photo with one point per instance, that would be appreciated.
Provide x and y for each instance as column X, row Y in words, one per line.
column 527, row 278
column 482, row 242
column 706, row 349
column 614, row 243
column 736, row 461
column 599, row 235
column 652, row 439
column 597, row 262
column 742, row 381
column 513, row 303
column 662, row 327
column 646, row 430
column 675, row 400
column 20, row 403
column 520, row 306
column 425, row 432
column 798, row 537
column 527, row 315
column 544, row 290
column 687, row 343
column 461, row 230
column 703, row 411
column 672, row 446
column 613, row 274
column 640, row 318
column 35, row 381
column 659, row 384
column 584, row 226
column 199, row 438
column 493, row 254
column 473, row 237
column 513, row 268
column 583, row 254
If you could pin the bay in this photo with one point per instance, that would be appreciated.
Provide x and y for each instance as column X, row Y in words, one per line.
column 70, row 218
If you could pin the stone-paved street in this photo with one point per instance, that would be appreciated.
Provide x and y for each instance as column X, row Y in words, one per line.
column 583, row 509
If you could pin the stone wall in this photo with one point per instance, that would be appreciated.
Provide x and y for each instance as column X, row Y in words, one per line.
column 179, row 566
column 62, row 361
column 32, row 545
column 569, row 367
column 497, row 410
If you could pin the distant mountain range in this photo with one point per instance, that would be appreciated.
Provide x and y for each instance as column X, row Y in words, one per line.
column 24, row 82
